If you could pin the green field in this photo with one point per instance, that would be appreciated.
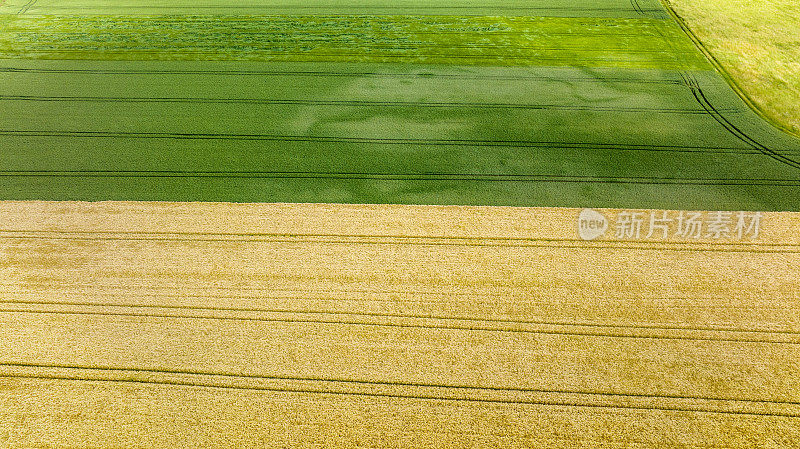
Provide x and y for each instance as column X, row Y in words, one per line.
column 758, row 44
column 546, row 102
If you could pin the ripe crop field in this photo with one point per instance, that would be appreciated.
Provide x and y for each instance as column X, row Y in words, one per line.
column 546, row 103
column 142, row 324
column 146, row 300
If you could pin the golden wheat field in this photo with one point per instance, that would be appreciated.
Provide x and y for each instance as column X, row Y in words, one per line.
column 278, row 325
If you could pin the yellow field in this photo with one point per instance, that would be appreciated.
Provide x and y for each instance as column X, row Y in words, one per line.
column 758, row 43
column 147, row 324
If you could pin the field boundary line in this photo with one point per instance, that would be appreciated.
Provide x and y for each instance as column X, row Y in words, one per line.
column 379, row 7
column 532, row 242
column 423, row 75
column 399, row 237
column 401, row 396
column 131, row 373
column 302, row 102
column 401, row 383
column 375, row 324
column 432, row 177
column 391, row 315
column 79, row 286
column 362, row 140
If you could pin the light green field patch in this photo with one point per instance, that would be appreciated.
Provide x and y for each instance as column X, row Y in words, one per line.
column 458, row 40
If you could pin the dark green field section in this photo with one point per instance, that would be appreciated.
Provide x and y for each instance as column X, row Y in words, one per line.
column 492, row 104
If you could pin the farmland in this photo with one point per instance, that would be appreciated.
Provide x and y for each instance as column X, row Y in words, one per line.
column 757, row 43
column 512, row 103
column 338, row 224
column 334, row 325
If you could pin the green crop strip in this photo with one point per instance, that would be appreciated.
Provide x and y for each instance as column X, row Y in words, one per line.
column 487, row 41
